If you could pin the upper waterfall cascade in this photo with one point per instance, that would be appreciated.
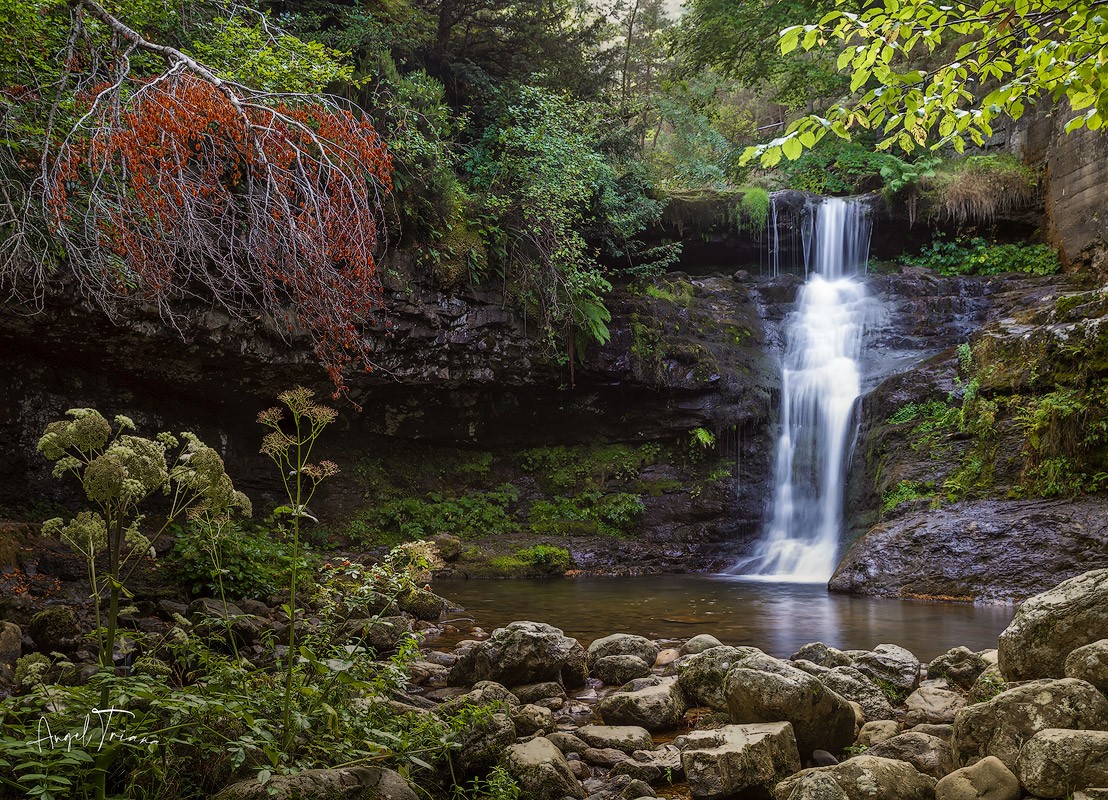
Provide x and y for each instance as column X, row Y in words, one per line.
column 821, row 380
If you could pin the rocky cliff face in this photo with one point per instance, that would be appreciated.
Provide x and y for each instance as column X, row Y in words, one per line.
column 977, row 472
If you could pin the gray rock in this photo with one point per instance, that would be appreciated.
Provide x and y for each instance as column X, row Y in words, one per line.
column 988, row 779
column 1087, row 663
column 702, row 675
column 1051, row 625
column 489, row 694
column 11, row 643
column 892, row 665
column 522, row 653
column 1000, row 726
column 867, row 777
column 928, row 754
column 932, row 706
column 854, row 685
column 738, row 758
column 944, row 732
column 603, row 757
column 959, row 665
column 622, row 644
column 988, row 685
column 825, row 656
column 530, row 719
column 482, row 741
column 344, row 783
column 568, row 742
column 656, row 704
column 766, row 689
column 1090, row 793
column 55, row 629
column 627, row 738
column 877, row 731
column 1054, row 762
column 529, row 693
column 541, row 770
column 618, row 670
column 699, row 643
column 817, row 786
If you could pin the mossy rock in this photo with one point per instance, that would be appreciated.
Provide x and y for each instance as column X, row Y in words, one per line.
column 55, row 630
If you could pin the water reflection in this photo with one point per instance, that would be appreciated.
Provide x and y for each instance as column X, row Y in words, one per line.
column 778, row 618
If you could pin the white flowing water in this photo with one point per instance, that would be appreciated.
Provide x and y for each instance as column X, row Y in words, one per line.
column 821, row 380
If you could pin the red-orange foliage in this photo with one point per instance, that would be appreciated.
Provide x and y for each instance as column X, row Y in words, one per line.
column 179, row 189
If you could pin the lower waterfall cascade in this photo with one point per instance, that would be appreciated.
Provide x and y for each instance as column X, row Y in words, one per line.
column 820, row 383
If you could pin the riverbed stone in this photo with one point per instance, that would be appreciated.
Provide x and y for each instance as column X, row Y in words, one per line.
column 342, row 783
column 1051, row 625
column 738, row 758
column 854, row 685
column 1090, row 663
column 944, row 732
column 892, row 665
column 618, row 670
column 702, row 675
column 533, row 692
column 1054, row 762
column 622, row 644
column 959, row 665
column 654, row 703
column 987, row 779
column 699, row 643
column 541, row 770
column 867, row 777
column 928, row 754
column 767, row 689
column 1000, row 726
column 627, row 738
column 877, row 731
column 55, row 629
column 568, row 742
column 482, row 740
column 522, row 653
column 927, row 705
column 531, row 719
column 825, row 656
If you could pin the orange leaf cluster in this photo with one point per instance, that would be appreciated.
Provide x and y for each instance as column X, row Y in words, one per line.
column 177, row 191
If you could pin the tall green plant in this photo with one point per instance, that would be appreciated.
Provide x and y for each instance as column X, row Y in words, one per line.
column 119, row 473
column 289, row 444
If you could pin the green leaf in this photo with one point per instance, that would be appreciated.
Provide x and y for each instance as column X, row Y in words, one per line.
column 792, row 148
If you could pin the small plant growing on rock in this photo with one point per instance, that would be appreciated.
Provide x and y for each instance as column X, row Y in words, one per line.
column 120, row 473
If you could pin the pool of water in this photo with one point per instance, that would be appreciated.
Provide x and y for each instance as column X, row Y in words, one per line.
column 777, row 617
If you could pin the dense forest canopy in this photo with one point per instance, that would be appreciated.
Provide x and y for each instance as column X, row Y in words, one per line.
column 264, row 155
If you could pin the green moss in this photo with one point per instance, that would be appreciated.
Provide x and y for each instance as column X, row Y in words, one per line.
column 468, row 516
column 906, row 492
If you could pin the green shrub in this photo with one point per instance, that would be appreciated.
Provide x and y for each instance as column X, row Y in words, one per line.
column 468, row 516
column 977, row 257
column 256, row 563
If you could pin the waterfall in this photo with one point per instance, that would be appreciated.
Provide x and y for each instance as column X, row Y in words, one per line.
column 821, row 380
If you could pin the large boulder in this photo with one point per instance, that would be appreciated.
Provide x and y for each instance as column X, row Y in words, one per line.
column 1090, row 663
column 55, row 630
column 988, row 779
column 1000, row 726
column 482, row 739
column 1054, row 762
column 11, row 643
column 877, row 731
column 344, row 783
column 702, row 675
column 766, row 689
column 868, row 777
column 699, row 643
column 541, row 770
column 928, row 754
column 853, row 685
column 622, row 644
column 890, row 666
column 1051, row 625
column 817, row 786
column 738, row 758
column 959, row 665
column 654, row 703
column 930, row 706
column 523, row 652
